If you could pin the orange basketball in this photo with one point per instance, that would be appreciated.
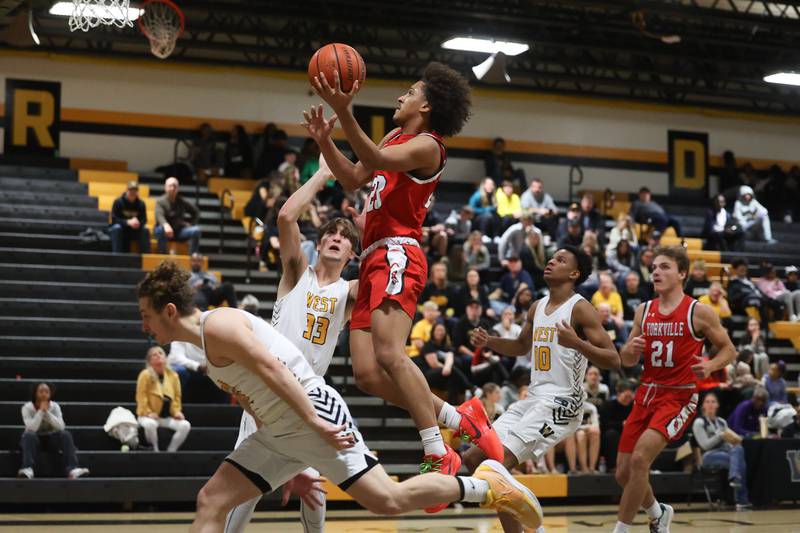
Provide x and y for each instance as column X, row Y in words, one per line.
column 341, row 57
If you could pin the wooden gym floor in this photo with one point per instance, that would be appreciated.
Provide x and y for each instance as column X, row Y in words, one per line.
column 557, row 520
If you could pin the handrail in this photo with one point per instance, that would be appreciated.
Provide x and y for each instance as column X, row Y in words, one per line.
column 225, row 192
column 572, row 181
column 176, row 159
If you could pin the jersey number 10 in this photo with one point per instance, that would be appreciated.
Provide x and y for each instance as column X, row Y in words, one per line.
column 316, row 329
column 541, row 358
column 657, row 353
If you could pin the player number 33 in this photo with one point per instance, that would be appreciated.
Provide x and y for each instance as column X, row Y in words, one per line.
column 316, row 329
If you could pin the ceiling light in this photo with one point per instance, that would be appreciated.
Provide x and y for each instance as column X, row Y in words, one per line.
column 784, row 78
column 65, row 9
column 488, row 46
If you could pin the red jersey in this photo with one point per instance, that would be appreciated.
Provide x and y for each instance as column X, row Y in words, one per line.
column 398, row 201
column 671, row 344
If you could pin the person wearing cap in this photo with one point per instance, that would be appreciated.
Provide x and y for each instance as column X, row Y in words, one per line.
column 510, row 284
column 573, row 236
column 129, row 221
column 646, row 211
column 721, row 230
column 793, row 286
column 752, row 216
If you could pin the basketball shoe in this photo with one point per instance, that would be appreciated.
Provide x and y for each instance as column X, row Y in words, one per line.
column 507, row 495
column 447, row 464
column 476, row 428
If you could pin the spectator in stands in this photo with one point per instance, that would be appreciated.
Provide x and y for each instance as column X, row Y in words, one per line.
column 289, row 173
column 204, row 154
column 491, row 400
column 249, row 303
column 45, row 430
column 484, row 203
column 472, row 289
column 461, row 227
column 743, row 293
column 730, row 178
column 572, row 214
column 698, row 284
column 646, row 211
column 775, row 384
column 129, row 222
column 793, row 286
column 208, row 289
column 507, row 328
column 646, row 257
column 510, row 284
column 269, row 249
column 497, row 163
column 540, row 204
column 612, row 416
column 754, row 341
column 607, row 294
column 722, row 447
column 158, row 401
column 273, row 146
column 744, row 419
column 591, row 246
column 438, row 365
column 508, row 204
column 610, row 325
column 534, row 256
column 752, row 217
column 189, row 362
column 439, row 290
column 261, row 200
column 519, row 379
column 308, row 160
column 791, row 193
column 239, row 154
column 632, row 294
column 176, row 219
column 513, row 238
column 772, row 286
column 721, row 230
column 476, row 255
column 622, row 260
column 572, row 236
column 716, row 300
column 591, row 219
column 623, row 230
column 740, row 374
column 522, row 303
column 462, row 331
column 435, row 233
column 421, row 332
column 596, row 391
column 587, row 439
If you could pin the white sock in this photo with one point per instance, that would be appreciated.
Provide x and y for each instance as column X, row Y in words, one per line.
column 622, row 527
column 449, row 417
column 432, row 441
column 540, row 529
column 474, row 489
column 654, row 511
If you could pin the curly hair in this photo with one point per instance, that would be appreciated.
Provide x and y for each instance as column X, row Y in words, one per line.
column 448, row 94
column 583, row 262
column 168, row 283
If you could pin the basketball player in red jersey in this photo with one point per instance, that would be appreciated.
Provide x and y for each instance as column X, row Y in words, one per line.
column 668, row 332
column 403, row 169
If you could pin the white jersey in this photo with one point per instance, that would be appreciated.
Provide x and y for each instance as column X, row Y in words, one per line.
column 556, row 372
column 311, row 317
column 239, row 381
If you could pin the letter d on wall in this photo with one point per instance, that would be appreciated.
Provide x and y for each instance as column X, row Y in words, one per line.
column 33, row 117
column 688, row 164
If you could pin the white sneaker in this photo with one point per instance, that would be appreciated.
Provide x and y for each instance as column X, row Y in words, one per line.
column 25, row 472
column 793, row 318
column 661, row 524
column 75, row 473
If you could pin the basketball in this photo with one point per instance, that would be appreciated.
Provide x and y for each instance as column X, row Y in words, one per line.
column 341, row 57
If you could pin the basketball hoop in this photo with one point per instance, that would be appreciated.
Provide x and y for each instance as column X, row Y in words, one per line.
column 162, row 23
column 88, row 14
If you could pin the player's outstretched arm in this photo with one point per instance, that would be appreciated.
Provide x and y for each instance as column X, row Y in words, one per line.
column 292, row 258
column 597, row 347
column 632, row 351
column 227, row 331
column 509, row 347
column 706, row 322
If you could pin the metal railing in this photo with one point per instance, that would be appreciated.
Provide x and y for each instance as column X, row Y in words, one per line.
column 575, row 171
column 225, row 193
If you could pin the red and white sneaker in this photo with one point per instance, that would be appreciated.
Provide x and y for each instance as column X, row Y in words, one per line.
column 447, row 464
column 476, row 428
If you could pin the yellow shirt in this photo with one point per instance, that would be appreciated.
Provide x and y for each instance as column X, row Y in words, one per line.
column 420, row 331
column 705, row 299
column 150, row 392
column 507, row 206
column 614, row 301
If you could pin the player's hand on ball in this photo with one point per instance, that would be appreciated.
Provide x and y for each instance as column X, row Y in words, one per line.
column 702, row 369
column 318, row 127
column 305, row 487
column 331, row 91
column 479, row 338
column 566, row 335
column 334, row 435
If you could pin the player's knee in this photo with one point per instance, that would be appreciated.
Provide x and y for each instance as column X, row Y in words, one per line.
column 639, row 463
column 621, row 476
column 367, row 381
column 209, row 504
column 594, row 431
column 388, row 506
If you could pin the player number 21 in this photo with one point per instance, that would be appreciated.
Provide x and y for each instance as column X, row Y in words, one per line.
column 316, row 329
column 658, row 352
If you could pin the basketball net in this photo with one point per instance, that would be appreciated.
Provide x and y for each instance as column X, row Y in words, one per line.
column 162, row 23
column 88, row 14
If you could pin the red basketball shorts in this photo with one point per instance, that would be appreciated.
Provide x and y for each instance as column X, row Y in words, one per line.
column 666, row 410
column 397, row 272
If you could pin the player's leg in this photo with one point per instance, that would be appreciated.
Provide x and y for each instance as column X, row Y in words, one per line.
column 240, row 516
column 227, row 488
column 313, row 520
column 370, row 377
column 647, row 448
column 593, row 434
column 582, row 445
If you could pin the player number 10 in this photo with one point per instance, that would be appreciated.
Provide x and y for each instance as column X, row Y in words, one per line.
column 658, row 352
column 541, row 358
